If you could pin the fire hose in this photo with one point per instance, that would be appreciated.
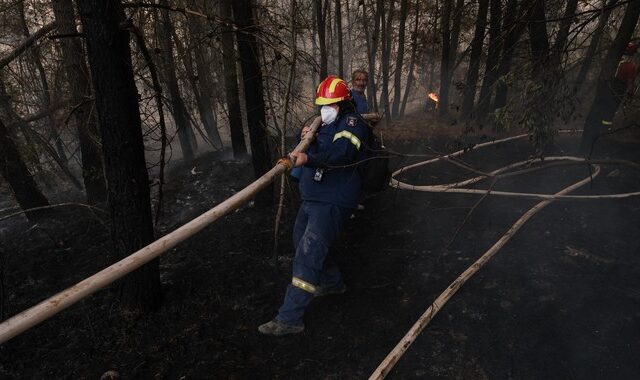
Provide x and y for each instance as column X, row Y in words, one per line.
column 396, row 353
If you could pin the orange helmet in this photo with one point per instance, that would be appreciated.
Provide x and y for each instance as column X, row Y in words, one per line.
column 631, row 49
column 332, row 90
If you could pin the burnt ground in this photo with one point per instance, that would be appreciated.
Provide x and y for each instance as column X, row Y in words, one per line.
column 560, row 300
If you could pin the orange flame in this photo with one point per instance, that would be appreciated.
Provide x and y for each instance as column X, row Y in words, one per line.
column 433, row 96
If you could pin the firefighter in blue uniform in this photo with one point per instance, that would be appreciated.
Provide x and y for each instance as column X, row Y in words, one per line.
column 329, row 187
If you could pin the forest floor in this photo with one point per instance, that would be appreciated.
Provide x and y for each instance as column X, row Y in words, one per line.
column 560, row 300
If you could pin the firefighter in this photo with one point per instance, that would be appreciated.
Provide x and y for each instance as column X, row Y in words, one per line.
column 359, row 80
column 621, row 85
column 329, row 187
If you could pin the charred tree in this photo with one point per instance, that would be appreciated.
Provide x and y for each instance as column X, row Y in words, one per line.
column 322, row 37
column 116, row 100
column 491, row 64
column 445, row 61
column 538, row 38
column 513, row 28
column 560, row 43
column 604, row 92
column 203, row 83
column 412, row 60
column 589, row 56
column 77, row 75
column 231, row 82
column 372, row 50
column 253, row 92
column 338, row 10
column 15, row 172
column 474, row 60
column 404, row 5
column 385, row 21
column 178, row 108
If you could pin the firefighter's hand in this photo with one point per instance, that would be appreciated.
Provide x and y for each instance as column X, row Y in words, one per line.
column 298, row 158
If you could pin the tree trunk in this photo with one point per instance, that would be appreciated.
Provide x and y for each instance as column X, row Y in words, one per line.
column 474, row 61
column 204, row 85
column 560, row 44
column 593, row 45
column 385, row 20
column 593, row 124
column 412, row 60
column 116, row 99
column 178, row 108
column 231, row 82
column 445, row 58
column 253, row 91
column 77, row 75
column 372, row 49
column 15, row 172
column 538, row 38
column 513, row 27
column 339, row 38
column 320, row 24
column 399, row 59
column 45, row 95
column 490, row 68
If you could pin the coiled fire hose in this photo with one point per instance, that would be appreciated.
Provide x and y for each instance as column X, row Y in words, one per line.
column 394, row 356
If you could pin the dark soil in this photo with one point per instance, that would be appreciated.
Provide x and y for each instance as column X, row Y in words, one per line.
column 560, row 300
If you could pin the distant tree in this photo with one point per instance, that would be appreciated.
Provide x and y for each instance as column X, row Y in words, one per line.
column 116, row 100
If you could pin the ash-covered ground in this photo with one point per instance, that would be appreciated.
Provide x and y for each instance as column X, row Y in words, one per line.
column 560, row 300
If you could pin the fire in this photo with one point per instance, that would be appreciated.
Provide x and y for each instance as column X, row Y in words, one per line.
column 433, row 96
column 432, row 101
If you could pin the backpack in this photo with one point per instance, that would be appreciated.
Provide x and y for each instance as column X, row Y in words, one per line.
column 375, row 171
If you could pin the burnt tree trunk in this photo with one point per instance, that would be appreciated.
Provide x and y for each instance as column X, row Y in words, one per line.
column 513, row 28
column 15, row 172
column 322, row 43
column 538, row 38
column 560, row 44
column 338, row 11
column 119, row 117
column 412, row 60
column 204, row 84
column 372, row 49
column 474, row 60
column 231, row 82
column 253, row 91
column 445, row 60
column 404, row 5
column 385, row 21
column 178, row 108
column 590, row 55
column 491, row 64
column 593, row 124
column 77, row 75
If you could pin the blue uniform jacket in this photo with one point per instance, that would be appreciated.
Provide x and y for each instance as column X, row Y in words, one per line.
column 339, row 144
column 360, row 101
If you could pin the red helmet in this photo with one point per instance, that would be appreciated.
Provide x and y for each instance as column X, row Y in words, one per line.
column 332, row 90
column 631, row 49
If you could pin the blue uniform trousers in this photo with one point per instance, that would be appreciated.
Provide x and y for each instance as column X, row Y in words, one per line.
column 317, row 226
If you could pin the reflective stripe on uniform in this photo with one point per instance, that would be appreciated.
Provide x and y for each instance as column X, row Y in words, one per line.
column 346, row 134
column 607, row 122
column 302, row 284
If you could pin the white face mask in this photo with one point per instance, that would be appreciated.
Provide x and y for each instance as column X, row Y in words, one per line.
column 328, row 114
